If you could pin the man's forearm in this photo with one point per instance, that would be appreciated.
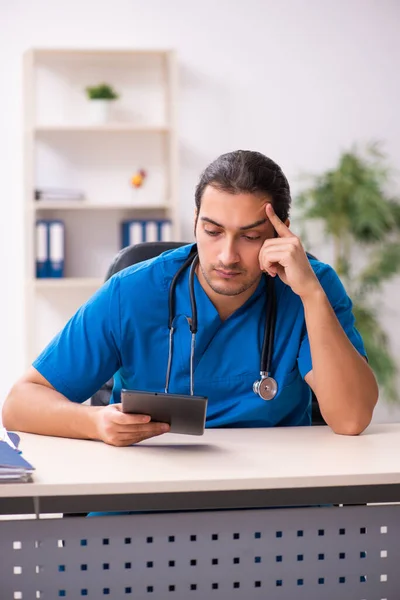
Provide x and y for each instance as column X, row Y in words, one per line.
column 40, row 409
column 343, row 382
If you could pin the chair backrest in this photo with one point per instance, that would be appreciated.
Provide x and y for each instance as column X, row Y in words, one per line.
column 137, row 253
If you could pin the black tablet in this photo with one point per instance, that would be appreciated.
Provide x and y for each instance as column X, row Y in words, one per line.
column 184, row 413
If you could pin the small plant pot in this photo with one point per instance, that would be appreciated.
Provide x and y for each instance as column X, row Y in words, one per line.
column 100, row 111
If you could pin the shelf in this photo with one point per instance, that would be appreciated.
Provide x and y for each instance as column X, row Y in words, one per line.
column 79, row 205
column 67, row 282
column 107, row 128
column 100, row 52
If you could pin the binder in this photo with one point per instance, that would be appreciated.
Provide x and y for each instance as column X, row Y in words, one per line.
column 56, row 248
column 152, row 231
column 42, row 249
column 14, row 437
column 124, row 234
column 54, row 194
column 132, row 232
column 136, row 232
column 13, row 467
column 165, row 230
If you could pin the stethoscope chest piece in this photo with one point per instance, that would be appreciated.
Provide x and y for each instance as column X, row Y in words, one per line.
column 266, row 387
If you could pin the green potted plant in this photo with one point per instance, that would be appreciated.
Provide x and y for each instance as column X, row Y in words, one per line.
column 359, row 214
column 101, row 97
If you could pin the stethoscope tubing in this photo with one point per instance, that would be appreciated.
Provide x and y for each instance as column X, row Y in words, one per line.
column 268, row 339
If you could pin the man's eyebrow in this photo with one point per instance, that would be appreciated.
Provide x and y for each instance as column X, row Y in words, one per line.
column 244, row 228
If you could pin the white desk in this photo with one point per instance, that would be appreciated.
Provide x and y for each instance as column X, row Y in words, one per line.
column 237, row 553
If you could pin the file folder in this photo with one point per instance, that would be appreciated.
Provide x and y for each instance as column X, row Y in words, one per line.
column 55, row 194
column 13, row 467
column 165, row 230
column 137, row 231
column 132, row 232
column 42, row 249
column 56, row 248
column 152, row 231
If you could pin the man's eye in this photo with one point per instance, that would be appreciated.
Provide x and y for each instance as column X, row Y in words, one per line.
column 252, row 238
column 211, row 232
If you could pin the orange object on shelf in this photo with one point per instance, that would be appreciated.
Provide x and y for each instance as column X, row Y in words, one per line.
column 138, row 178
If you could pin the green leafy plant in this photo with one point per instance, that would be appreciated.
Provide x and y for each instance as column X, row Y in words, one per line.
column 103, row 91
column 359, row 215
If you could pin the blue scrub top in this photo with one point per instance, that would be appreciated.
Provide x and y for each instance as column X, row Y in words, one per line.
column 122, row 331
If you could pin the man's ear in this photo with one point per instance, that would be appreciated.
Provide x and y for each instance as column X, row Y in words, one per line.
column 287, row 223
column 196, row 216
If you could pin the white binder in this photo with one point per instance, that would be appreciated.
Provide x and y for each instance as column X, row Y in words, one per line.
column 151, row 231
column 166, row 231
column 135, row 233
column 56, row 250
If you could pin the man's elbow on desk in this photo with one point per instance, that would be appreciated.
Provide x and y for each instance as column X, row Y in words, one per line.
column 354, row 412
column 357, row 422
column 350, row 427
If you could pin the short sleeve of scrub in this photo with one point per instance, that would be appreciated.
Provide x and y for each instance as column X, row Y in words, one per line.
column 342, row 305
column 85, row 353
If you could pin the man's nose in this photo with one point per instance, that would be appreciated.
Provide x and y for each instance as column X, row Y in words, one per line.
column 229, row 255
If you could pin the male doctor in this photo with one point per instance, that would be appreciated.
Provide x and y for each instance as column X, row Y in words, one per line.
column 242, row 232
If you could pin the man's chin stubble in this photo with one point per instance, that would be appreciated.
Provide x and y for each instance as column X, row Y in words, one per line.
column 227, row 291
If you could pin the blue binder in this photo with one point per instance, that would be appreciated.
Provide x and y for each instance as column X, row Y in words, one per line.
column 50, row 248
column 13, row 467
column 42, row 249
column 136, row 231
column 133, row 232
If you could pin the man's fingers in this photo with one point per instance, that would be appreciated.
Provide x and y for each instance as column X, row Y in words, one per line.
column 146, row 429
column 119, row 429
column 273, row 257
column 127, row 419
column 125, row 439
column 131, row 419
column 279, row 244
column 273, row 261
column 277, row 224
column 143, row 435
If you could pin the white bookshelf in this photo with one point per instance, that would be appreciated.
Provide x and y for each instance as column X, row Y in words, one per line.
column 63, row 149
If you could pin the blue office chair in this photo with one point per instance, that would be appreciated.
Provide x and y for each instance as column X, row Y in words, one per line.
column 137, row 253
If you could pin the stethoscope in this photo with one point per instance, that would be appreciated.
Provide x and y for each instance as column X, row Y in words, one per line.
column 267, row 386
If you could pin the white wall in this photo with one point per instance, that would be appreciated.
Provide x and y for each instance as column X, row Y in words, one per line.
column 298, row 80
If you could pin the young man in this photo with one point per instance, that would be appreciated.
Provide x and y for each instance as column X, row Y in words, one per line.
column 242, row 231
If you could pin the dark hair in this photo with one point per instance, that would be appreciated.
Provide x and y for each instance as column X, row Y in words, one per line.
column 245, row 171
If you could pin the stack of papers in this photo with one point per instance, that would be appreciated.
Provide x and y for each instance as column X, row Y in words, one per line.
column 58, row 194
column 13, row 468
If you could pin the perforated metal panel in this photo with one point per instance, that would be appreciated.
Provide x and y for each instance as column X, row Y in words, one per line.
column 348, row 553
